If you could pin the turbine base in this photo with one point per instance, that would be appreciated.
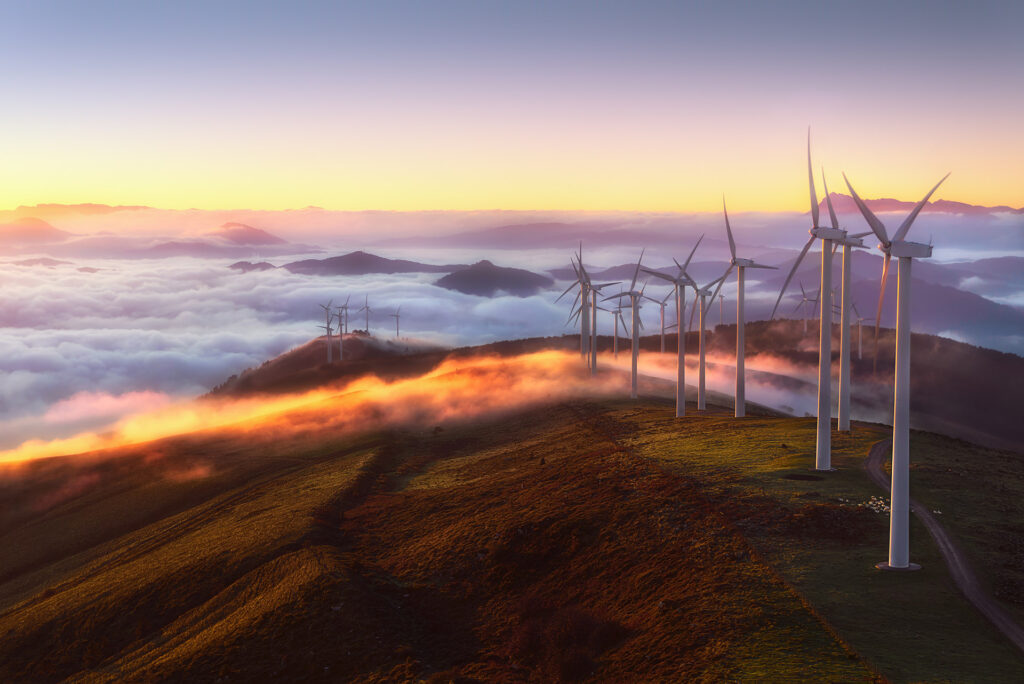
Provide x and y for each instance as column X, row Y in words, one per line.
column 884, row 565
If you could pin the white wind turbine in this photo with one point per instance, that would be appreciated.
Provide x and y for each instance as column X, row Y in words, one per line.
column 588, row 291
column 397, row 315
column 741, row 265
column 342, row 316
column 905, row 252
column 804, row 300
column 634, row 300
column 703, row 303
column 848, row 243
column 662, row 303
column 680, row 283
column 860, row 332
column 367, row 309
column 823, row 448
column 329, row 317
column 582, row 299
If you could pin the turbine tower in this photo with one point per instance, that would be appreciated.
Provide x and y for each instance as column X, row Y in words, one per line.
column 741, row 265
column 860, row 332
column 634, row 300
column 329, row 317
column 823, row 448
column 342, row 316
column 397, row 315
column 680, row 283
column 905, row 252
column 582, row 299
column 366, row 308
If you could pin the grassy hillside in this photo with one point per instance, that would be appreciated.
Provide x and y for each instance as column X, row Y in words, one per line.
column 582, row 539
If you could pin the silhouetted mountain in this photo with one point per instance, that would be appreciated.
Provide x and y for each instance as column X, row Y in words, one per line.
column 30, row 231
column 485, row 279
column 548, row 234
column 247, row 266
column 241, row 234
column 361, row 263
column 41, row 261
column 52, row 209
column 845, row 204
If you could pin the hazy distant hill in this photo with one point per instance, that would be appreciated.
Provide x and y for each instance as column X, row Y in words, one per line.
column 241, row 234
column 845, row 204
column 30, row 231
column 247, row 266
column 485, row 279
column 361, row 263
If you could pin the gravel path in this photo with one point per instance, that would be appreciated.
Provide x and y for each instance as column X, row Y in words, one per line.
column 961, row 571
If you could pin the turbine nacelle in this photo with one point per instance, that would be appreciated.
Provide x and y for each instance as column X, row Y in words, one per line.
column 914, row 250
column 828, row 233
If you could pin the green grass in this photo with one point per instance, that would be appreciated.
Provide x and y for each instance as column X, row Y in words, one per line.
column 911, row 626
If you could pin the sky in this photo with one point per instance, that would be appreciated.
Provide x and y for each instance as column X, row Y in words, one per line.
column 635, row 106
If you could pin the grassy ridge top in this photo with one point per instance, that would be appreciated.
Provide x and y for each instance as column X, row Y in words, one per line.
column 583, row 538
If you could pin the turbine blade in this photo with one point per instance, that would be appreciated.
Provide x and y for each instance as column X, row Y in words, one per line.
column 876, row 226
column 881, row 298
column 798, row 305
column 721, row 281
column 828, row 200
column 665, row 298
column 810, row 180
column 659, row 275
column 796, row 265
column 856, row 313
column 728, row 229
column 774, row 268
column 905, row 226
column 566, row 291
column 616, row 296
column 684, row 266
column 637, row 271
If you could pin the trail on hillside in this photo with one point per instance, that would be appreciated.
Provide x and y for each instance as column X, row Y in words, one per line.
column 960, row 570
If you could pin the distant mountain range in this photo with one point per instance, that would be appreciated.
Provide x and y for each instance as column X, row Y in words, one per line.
column 844, row 204
column 362, row 263
column 241, row 234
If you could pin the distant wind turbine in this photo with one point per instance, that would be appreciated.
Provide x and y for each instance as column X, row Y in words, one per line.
column 327, row 313
column 741, row 265
column 398, row 316
column 703, row 303
column 680, row 283
column 905, row 252
column 860, row 332
column 634, row 300
column 366, row 308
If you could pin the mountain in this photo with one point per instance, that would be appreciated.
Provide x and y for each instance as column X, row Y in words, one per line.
column 487, row 280
column 844, row 204
column 241, row 234
column 247, row 266
column 362, row 263
column 30, row 231
column 42, row 261
column 58, row 210
column 546, row 234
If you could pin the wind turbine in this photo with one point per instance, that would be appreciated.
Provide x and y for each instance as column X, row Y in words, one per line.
column 582, row 298
column 397, row 315
column 680, row 283
column 342, row 316
column 741, row 265
column 634, row 300
column 327, row 313
column 847, row 243
column 701, row 300
column 860, row 332
column 823, row 448
column 662, row 303
column 366, row 308
column 905, row 252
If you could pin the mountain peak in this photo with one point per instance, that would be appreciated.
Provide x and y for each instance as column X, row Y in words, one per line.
column 241, row 234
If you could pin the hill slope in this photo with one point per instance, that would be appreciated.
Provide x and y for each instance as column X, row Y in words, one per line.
column 562, row 540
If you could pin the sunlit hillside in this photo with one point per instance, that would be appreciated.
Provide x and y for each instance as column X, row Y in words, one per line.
column 562, row 535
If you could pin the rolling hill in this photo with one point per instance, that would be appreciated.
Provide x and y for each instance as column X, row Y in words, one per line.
column 567, row 540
